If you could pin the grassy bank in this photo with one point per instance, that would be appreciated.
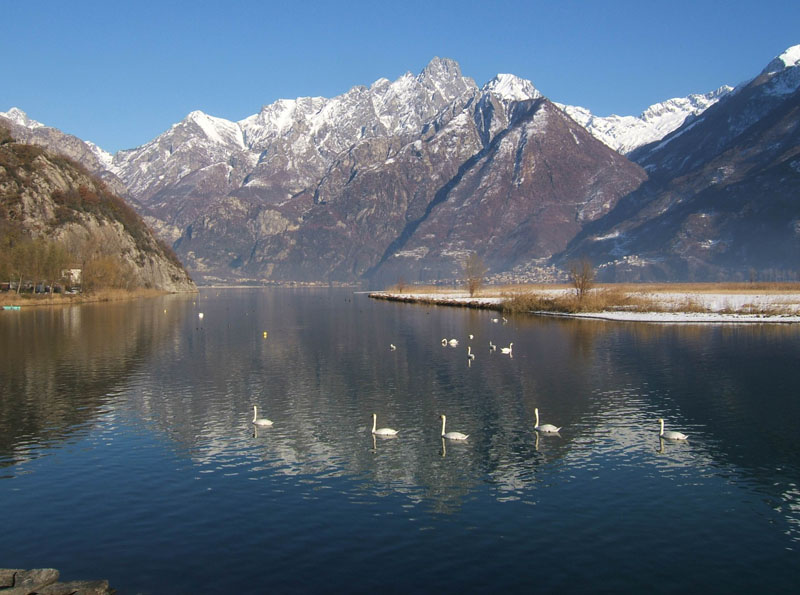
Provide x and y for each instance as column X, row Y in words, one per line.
column 768, row 299
column 9, row 298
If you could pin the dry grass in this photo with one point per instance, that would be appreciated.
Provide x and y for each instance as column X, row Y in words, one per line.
column 620, row 300
column 568, row 302
column 503, row 290
column 58, row 299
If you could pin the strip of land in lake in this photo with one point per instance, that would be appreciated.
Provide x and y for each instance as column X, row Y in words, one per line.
column 683, row 303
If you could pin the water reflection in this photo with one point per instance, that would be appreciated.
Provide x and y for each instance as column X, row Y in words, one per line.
column 61, row 366
column 316, row 363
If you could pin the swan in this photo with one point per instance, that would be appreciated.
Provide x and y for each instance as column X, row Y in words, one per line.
column 669, row 433
column 492, row 346
column 507, row 349
column 470, row 355
column 260, row 421
column 381, row 431
column 471, row 337
column 495, row 320
column 444, row 342
column 392, row 347
column 546, row 428
column 453, row 342
column 452, row 435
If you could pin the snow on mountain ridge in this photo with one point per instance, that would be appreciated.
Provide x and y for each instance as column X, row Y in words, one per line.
column 17, row 116
column 626, row 133
column 783, row 73
column 511, row 88
column 788, row 59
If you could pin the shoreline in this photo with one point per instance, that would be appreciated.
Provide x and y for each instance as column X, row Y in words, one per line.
column 59, row 299
column 460, row 299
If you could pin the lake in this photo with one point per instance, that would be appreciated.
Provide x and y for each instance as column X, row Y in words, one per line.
column 127, row 450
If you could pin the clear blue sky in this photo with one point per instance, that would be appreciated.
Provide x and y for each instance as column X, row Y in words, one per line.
column 119, row 74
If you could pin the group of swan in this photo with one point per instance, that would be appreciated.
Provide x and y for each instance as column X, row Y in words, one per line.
column 544, row 428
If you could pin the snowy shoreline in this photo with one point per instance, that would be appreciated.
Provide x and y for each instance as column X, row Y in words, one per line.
column 720, row 306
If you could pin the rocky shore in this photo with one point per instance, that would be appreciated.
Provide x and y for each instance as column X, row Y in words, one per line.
column 44, row 581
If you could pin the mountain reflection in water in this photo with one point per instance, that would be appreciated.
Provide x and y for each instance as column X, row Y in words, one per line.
column 155, row 404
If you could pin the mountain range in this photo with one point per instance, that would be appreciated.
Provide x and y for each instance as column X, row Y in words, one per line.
column 405, row 178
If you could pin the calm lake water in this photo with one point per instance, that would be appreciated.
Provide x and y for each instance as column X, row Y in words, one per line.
column 127, row 450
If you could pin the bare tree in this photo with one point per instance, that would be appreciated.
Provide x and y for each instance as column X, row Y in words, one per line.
column 581, row 275
column 474, row 272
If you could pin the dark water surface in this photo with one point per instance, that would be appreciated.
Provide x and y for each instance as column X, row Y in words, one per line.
column 127, row 452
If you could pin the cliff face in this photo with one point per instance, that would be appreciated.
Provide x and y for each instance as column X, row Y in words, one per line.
column 43, row 195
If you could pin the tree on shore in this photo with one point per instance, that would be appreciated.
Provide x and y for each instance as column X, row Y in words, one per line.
column 581, row 275
column 474, row 272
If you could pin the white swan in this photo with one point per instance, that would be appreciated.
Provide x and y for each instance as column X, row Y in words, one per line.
column 669, row 434
column 470, row 355
column 495, row 320
column 444, row 342
column 381, row 431
column 452, row 435
column 392, row 347
column 507, row 349
column 260, row 421
column 453, row 342
column 492, row 346
column 546, row 428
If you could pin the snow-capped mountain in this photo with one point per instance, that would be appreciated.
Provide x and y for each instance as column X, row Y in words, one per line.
column 626, row 133
column 403, row 178
column 722, row 198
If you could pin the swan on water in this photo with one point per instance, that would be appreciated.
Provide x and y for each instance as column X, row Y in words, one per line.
column 452, row 435
column 546, row 428
column 470, row 355
column 392, row 347
column 453, row 342
column 492, row 346
column 260, row 421
column 669, row 434
column 507, row 349
column 495, row 320
column 471, row 337
column 444, row 342
column 381, row 431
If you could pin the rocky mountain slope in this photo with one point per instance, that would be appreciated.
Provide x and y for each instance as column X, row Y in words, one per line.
column 722, row 198
column 43, row 195
column 402, row 178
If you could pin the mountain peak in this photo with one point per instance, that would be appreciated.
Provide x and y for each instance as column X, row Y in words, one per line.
column 441, row 68
column 788, row 59
column 511, row 88
column 19, row 117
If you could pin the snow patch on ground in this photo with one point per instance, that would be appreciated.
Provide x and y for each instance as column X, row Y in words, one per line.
column 719, row 303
